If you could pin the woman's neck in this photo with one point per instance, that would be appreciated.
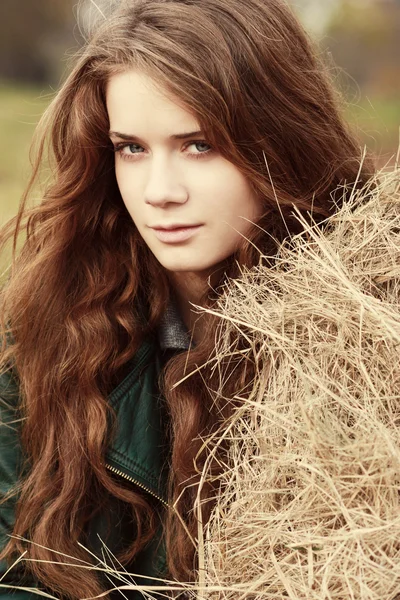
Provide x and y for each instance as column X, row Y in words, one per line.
column 190, row 288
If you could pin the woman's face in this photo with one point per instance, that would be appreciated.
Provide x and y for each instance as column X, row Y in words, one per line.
column 169, row 177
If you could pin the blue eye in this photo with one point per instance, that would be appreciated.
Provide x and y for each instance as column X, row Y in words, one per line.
column 131, row 148
column 208, row 147
column 199, row 154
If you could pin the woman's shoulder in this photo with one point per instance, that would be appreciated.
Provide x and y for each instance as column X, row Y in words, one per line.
column 9, row 388
column 171, row 336
column 9, row 381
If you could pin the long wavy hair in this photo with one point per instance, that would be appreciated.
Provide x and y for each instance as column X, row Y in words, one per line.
column 75, row 308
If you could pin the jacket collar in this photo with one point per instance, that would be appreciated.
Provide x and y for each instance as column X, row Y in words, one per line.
column 172, row 332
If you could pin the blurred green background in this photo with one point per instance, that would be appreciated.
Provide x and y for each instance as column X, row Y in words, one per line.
column 361, row 37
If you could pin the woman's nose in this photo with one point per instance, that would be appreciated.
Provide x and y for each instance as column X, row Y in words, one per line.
column 164, row 185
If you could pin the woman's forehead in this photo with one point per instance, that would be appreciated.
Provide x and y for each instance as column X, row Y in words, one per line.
column 136, row 103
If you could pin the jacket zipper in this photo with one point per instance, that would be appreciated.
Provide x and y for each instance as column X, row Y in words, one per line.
column 124, row 476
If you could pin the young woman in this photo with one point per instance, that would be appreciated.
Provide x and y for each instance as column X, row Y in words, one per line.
column 179, row 144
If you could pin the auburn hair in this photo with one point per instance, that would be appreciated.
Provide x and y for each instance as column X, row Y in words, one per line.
column 75, row 307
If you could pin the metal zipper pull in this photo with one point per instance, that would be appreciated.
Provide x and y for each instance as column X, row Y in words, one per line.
column 124, row 476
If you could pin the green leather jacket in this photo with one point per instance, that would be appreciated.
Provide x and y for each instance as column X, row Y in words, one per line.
column 137, row 454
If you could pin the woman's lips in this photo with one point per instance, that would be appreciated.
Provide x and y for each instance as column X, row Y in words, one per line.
column 173, row 236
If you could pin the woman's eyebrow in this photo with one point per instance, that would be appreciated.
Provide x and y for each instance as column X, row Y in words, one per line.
column 176, row 136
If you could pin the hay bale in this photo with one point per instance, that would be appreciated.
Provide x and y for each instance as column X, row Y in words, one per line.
column 310, row 508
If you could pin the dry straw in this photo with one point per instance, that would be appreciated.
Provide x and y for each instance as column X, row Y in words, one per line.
column 309, row 507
